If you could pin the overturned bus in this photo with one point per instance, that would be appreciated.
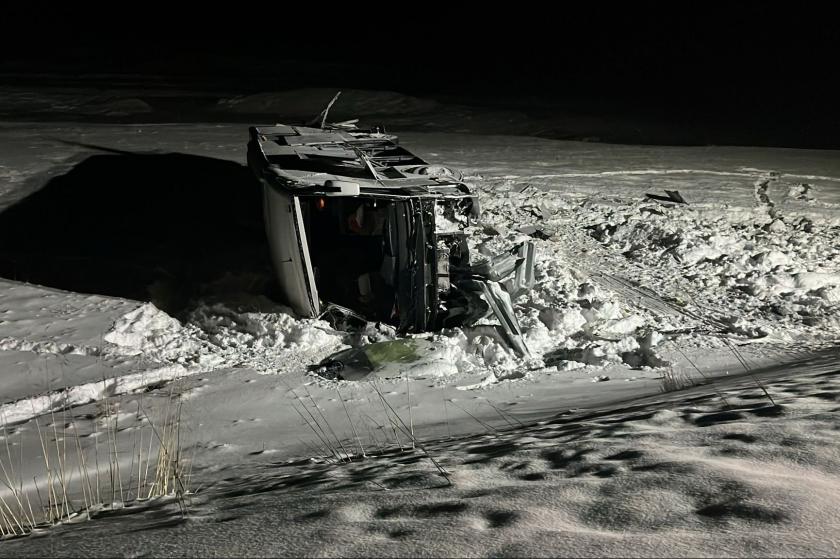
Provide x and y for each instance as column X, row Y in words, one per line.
column 359, row 225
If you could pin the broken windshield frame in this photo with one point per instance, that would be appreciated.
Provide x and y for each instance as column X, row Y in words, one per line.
column 386, row 277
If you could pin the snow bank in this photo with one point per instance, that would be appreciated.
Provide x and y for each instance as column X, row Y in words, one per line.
column 771, row 273
column 259, row 334
column 568, row 320
column 151, row 332
column 248, row 332
column 309, row 103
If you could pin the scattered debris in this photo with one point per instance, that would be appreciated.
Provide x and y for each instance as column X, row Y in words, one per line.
column 386, row 359
column 536, row 232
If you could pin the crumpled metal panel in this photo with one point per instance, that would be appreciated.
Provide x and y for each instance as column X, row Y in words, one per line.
column 499, row 301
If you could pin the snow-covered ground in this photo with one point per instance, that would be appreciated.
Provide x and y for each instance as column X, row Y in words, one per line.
column 631, row 295
column 682, row 474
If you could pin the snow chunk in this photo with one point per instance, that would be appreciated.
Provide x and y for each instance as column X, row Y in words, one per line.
column 622, row 327
column 815, row 280
column 698, row 254
column 563, row 321
column 149, row 330
column 770, row 259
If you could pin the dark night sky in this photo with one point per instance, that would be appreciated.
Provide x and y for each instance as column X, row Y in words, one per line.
column 744, row 61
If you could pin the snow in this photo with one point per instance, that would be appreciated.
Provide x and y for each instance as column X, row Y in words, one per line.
column 681, row 474
column 627, row 290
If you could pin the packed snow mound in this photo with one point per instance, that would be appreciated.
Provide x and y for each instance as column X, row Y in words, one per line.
column 260, row 326
column 252, row 332
column 308, row 103
column 570, row 321
column 256, row 333
column 117, row 107
column 150, row 331
column 619, row 276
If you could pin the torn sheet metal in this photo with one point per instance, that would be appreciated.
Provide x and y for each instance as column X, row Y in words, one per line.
column 523, row 279
column 500, row 302
column 671, row 197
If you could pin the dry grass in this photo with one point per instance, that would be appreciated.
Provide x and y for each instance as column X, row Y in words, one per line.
column 675, row 380
column 79, row 478
column 382, row 436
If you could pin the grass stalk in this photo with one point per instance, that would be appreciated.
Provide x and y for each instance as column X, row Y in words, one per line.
column 703, row 375
column 487, row 426
column 340, row 444
column 410, row 417
column 352, row 425
column 326, row 447
column 446, row 416
column 740, row 357
column 437, row 465
column 499, row 413
column 388, row 417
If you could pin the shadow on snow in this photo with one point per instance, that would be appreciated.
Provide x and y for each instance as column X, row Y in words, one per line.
column 153, row 227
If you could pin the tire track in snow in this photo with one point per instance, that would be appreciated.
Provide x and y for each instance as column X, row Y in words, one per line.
column 216, row 338
column 643, row 172
column 592, row 259
column 34, row 406
column 642, row 296
column 43, row 347
column 632, row 172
